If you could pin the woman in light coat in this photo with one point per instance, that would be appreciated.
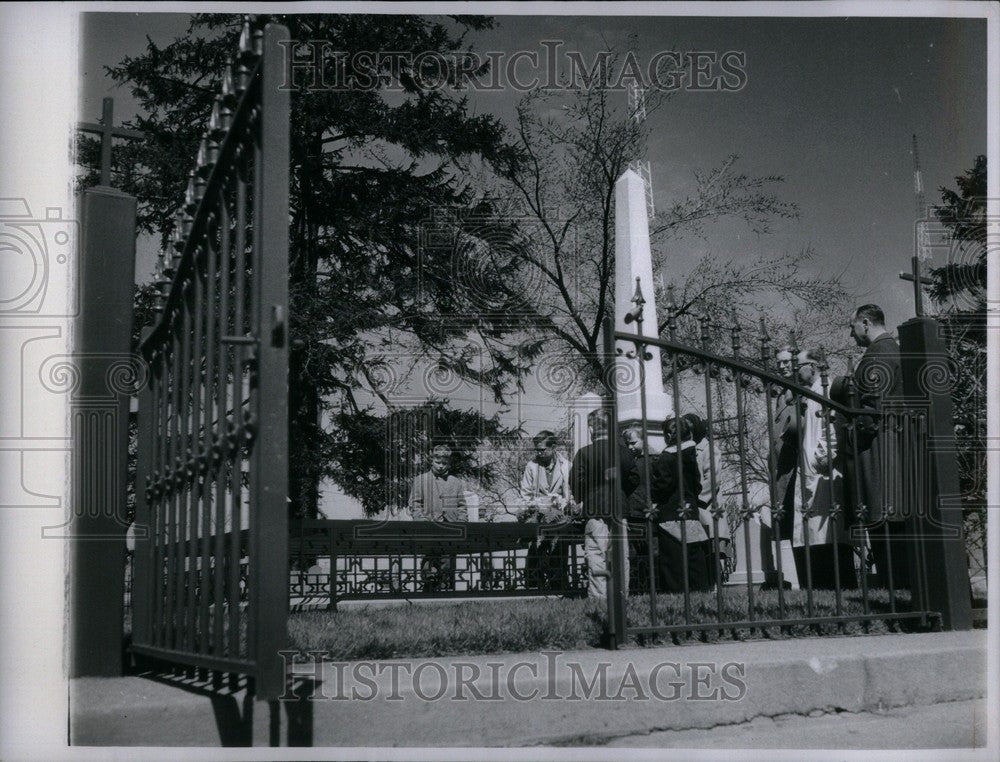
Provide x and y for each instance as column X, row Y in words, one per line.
column 820, row 493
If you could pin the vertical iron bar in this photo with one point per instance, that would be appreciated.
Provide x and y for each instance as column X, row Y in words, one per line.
column 235, row 425
column 210, row 427
column 855, row 471
column 144, row 507
column 777, row 501
column 164, row 498
column 834, row 507
column 640, row 348
column 175, row 477
column 682, row 497
column 800, row 477
column 194, row 450
column 184, row 503
column 225, row 458
column 882, row 439
column 741, row 444
column 155, row 584
column 617, row 624
column 713, row 477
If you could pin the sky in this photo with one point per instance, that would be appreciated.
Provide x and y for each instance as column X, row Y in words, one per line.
column 829, row 104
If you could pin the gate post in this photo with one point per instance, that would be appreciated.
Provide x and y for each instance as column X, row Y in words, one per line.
column 269, row 475
column 938, row 519
column 97, row 527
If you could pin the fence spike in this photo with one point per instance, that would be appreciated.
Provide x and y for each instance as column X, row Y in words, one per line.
column 205, row 164
column 228, row 89
column 216, row 128
column 246, row 47
column 190, row 202
column 765, row 343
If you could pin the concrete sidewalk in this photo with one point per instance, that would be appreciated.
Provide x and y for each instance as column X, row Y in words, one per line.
column 574, row 697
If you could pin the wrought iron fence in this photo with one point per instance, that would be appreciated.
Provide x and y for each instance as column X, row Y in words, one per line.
column 212, row 456
column 835, row 539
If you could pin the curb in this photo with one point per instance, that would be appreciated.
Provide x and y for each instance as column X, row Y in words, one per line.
column 363, row 704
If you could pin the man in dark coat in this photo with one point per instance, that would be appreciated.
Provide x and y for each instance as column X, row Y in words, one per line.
column 879, row 380
column 670, row 491
column 595, row 492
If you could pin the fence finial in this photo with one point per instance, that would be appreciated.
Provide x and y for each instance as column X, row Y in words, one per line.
column 635, row 314
column 204, row 165
column 228, row 90
column 824, row 366
column 765, row 343
column 215, row 128
column 190, row 201
column 246, row 43
column 178, row 235
column 735, row 330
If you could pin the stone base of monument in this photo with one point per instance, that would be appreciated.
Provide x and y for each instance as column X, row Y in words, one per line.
column 788, row 565
column 759, row 568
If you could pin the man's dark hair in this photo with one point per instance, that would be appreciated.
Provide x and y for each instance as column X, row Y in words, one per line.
column 599, row 421
column 670, row 428
column 813, row 355
column 546, row 438
column 872, row 312
column 697, row 426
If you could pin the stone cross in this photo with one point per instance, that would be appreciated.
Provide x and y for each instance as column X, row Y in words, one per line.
column 918, row 285
column 108, row 132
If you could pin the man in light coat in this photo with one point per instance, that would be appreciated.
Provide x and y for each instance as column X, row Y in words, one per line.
column 546, row 498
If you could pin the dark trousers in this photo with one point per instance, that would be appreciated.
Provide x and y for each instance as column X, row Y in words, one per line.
column 437, row 570
column 671, row 565
column 786, row 494
column 708, row 550
column 821, row 564
column 545, row 564
column 899, row 548
column 638, row 555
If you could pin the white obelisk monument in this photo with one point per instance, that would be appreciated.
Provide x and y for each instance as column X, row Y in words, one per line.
column 634, row 267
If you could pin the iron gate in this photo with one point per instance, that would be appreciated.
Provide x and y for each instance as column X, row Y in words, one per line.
column 212, row 472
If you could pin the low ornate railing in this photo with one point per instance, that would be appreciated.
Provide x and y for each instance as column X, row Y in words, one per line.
column 380, row 560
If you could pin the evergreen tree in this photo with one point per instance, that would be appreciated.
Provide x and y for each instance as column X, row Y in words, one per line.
column 958, row 288
column 373, row 263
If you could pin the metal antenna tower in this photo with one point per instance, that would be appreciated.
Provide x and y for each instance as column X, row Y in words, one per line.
column 923, row 235
column 636, row 98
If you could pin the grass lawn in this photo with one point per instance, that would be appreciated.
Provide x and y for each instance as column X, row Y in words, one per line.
column 509, row 626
